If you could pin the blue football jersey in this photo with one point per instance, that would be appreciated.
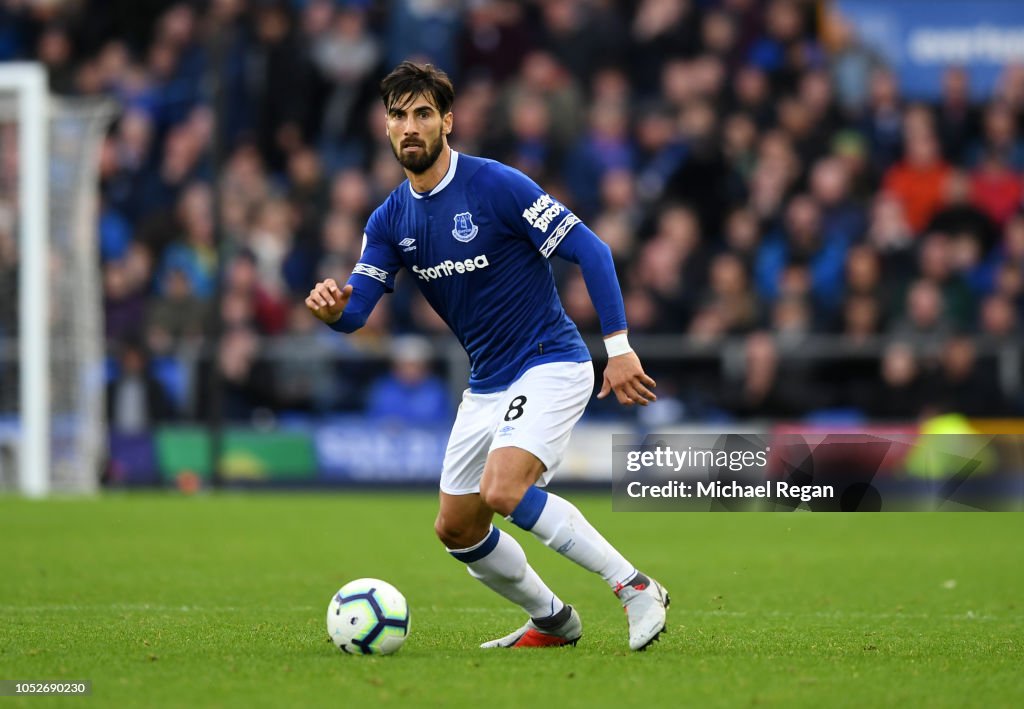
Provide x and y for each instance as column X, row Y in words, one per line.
column 478, row 246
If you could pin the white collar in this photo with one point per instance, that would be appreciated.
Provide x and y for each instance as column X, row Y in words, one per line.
column 448, row 177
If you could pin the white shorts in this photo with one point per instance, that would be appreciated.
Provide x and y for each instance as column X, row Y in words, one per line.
column 536, row 413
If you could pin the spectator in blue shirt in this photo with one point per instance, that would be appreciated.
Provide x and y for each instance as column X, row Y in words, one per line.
column 410, row 393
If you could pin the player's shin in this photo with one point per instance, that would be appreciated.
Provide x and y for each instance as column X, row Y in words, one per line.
column 561, row 526
column 500, row 564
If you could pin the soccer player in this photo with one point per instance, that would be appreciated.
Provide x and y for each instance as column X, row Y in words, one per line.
column 477, row 236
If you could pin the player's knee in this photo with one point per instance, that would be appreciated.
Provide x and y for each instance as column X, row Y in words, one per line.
column 500, row 496
column 456, row 535
column 509, row 473
column 445, row 532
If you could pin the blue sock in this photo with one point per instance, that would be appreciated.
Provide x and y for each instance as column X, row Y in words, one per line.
column 527, row 512
column 479, row 550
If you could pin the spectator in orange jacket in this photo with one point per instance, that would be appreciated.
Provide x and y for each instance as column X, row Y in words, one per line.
column 918, row 182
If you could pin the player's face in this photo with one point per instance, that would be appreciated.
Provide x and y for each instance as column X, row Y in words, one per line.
column 417, row 130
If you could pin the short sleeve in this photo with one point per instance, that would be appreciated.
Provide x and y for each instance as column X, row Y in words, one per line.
column 526, row 209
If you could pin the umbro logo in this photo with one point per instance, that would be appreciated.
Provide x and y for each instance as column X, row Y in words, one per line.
column 407, row 244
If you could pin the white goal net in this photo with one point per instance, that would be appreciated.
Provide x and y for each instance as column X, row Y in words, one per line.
column 52, row 418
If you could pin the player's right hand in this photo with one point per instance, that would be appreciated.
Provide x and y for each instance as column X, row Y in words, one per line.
column 327, row 302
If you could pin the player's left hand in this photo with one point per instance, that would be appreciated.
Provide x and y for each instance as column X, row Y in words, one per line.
column 625, row 376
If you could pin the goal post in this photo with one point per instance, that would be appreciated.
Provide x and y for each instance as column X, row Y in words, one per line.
column 49, row 155
column 27, row 82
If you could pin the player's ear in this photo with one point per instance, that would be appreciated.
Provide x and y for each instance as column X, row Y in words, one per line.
column 448, row 119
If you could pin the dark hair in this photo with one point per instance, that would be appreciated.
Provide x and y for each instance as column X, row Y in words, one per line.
column 409, row 79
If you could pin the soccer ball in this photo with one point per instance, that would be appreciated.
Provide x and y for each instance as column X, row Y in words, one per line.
column 368, row 617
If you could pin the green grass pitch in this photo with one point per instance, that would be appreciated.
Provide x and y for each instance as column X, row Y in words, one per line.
column 220, row 600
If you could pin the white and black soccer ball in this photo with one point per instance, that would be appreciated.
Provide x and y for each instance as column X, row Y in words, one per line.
column 368, row 617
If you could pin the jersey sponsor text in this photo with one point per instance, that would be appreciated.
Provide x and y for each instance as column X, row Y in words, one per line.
column 449, row 267
column 540, row 214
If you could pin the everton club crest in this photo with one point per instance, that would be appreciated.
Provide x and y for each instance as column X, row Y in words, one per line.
column 464, row 229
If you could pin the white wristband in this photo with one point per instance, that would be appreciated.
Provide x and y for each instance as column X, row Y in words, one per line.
column 617, row 345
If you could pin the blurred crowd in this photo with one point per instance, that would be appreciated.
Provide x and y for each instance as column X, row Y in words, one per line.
column 754, row 167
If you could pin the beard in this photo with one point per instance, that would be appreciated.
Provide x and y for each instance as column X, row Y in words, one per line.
column 420, row 162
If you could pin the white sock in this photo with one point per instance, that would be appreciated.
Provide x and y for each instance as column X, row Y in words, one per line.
column 500, row 564
column 564, row 528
